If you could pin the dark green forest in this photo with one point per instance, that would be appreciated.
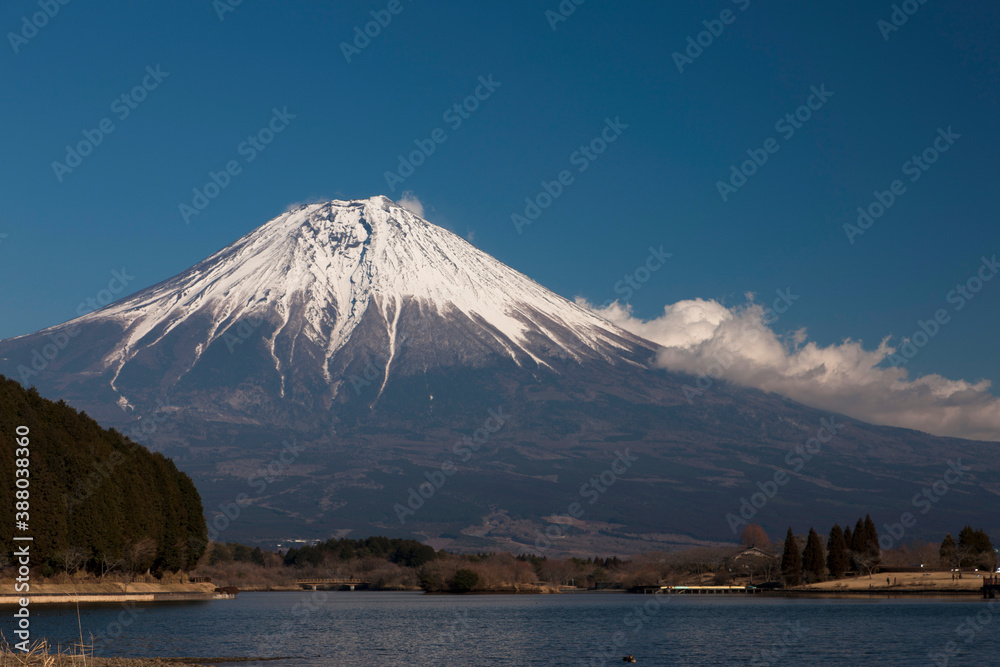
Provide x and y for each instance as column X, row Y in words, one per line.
column 98, row 501
column 408, row 553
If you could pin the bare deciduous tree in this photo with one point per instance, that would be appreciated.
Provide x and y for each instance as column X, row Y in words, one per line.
column 108, row 563
column 72, row 559
column 754, row 536
column 865, row 562
column 138, row 558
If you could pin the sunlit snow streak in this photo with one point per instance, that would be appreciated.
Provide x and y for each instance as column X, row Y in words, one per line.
column 320, row 268
column 391, row 330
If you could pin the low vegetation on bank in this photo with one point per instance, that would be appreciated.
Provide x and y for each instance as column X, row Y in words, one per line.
column 383, row 563
column 43, row 654
column 397, row 564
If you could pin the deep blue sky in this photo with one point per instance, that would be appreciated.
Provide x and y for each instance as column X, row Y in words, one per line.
column 655, row 185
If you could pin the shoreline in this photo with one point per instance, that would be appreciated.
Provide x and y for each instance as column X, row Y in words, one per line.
column 71, row 598
column 97, row 593
column 94, row 593
column 886, row 592
column 57, row 659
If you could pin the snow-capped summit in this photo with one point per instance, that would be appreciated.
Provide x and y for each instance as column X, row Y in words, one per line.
column 325, row 284
column 324, row 367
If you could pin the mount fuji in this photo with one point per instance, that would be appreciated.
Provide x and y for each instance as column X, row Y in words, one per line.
column 350, row 368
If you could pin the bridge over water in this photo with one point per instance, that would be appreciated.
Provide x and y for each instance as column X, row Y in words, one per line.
column 328, row 584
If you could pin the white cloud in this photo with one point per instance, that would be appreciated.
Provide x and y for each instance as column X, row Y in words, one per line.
column 410, row 202
column 734, row 344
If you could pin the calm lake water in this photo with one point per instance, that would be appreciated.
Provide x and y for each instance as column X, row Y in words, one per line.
column 369, row 628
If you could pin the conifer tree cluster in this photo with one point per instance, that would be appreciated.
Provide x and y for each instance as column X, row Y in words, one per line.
column 98, row 501
column 973, row 549
column 845, row 550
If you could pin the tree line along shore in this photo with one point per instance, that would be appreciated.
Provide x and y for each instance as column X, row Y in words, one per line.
column 108, row 514
column 799, row 562
column 848, row 561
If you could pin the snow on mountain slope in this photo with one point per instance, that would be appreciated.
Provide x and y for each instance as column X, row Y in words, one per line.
column 376, row 343
column 315, row 272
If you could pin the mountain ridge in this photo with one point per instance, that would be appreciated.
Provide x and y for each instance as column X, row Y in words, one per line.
column 316, row 271
column 375, row 341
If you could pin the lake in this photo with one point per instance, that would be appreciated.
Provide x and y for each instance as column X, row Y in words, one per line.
column 383, row 628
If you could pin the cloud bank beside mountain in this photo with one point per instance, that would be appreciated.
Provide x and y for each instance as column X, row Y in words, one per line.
column 739, row 345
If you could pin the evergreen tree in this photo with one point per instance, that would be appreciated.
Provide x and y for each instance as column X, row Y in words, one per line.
column 859, row 541
column 871, row 537
column 947, row 551
column 812, row 556
column 975, row 539
column 219, row 554
column 863, row 549
column 464, row 581
column 195, row 539
column 848, row 537
column 837, row 560
column 241, row 552
column 976, row 549
column 96, row 492
column 791, row 560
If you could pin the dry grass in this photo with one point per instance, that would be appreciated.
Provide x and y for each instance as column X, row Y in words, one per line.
column 41, row 654
column 903, row 581
column 383, row 574
column 250, row 577
column 50, row 587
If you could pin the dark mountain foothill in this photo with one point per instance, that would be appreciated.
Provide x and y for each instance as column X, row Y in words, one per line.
column 376, row 341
